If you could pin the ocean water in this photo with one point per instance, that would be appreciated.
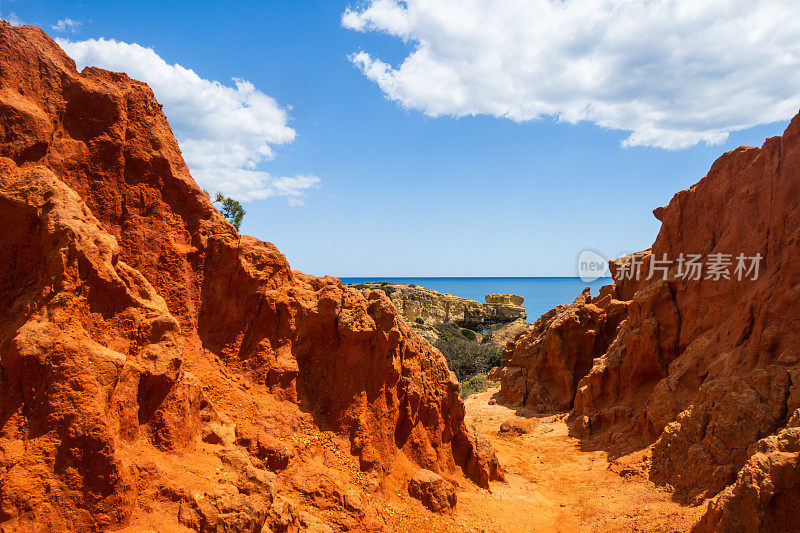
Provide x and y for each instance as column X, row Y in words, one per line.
column 541, row 294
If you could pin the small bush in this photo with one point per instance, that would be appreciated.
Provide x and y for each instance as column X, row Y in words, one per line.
column 469, row 334
column 474, row 385
column 418, row 320
column 231, row 209
column 466, row 358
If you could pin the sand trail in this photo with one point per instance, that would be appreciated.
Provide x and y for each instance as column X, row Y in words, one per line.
column 552, row 485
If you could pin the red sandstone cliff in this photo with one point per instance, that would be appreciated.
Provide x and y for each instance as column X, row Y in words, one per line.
column 155, row 366
column 705, row 372
column 541, row 367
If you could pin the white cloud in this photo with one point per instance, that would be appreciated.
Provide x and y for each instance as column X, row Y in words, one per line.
column 225, row 132
column 673, row 73
column 13, row 19
column 381, row 15
column 66, row 25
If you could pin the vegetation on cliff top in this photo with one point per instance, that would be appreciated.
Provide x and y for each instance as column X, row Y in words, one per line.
column 231, row 209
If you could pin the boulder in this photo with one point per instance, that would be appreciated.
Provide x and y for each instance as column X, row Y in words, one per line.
column 518, row 426
column 435, row 492
column 702, row 450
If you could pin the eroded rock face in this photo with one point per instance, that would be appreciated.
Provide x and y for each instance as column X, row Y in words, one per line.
column 153, row 363
column 705, row 441
column 766, row 493
column 438, row 308
column 703, row 370
column 500, row 335
column 541, row 367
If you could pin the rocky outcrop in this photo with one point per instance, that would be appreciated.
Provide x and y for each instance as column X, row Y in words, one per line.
column 711, row 439
column 625, row 284
column 541, row 367
column 766, row 493
column 501, row 334
column 154, row 364
column 418, row 303
column 704, row 371
column 432, row 490
column 705, row 367
column 503, row 298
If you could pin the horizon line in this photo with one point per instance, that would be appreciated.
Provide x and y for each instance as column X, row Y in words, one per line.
column 465, row 277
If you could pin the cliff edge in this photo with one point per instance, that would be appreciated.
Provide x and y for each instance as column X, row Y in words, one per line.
column 417, row 303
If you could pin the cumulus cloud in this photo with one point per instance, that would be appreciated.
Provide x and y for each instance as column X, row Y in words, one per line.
column 381, row 15
column 672, row 73
column 225, row 132
column 67, row 25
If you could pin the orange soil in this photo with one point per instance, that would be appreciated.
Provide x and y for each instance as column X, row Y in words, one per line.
column 551, row 485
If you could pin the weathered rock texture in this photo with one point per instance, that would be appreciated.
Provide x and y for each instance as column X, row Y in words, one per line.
column 765, row 494
column 501, row 334
column 706, row 371
column 435, row 492
column 437, row 308
column 156, row 367
column 503, row 298
column 542, row 366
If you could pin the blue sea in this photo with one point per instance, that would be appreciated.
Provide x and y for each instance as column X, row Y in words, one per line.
column 541, row 294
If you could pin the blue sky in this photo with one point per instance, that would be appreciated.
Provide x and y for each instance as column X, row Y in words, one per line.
column 401, row 192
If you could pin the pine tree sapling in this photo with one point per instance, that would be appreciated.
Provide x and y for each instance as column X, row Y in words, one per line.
column 231, row 209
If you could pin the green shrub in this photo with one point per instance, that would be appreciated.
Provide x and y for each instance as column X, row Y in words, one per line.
column 418, row 320
column 231, row 209
column 474, row 385
column 469, row 334
column 466, row 358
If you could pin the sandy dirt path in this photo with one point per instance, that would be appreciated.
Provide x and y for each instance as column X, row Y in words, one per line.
column 551, row 485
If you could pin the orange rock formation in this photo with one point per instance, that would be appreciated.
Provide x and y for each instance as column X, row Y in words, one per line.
column 156, row 367
column 706, row 372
